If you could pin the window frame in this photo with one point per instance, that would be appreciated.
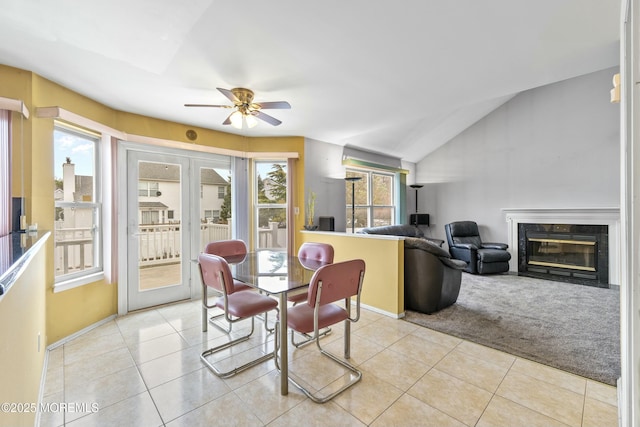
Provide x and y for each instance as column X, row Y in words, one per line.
column 258, row 205
column 370, row 206
column 96, row 272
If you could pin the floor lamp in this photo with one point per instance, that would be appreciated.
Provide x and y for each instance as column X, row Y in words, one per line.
column 416, row 186
column 353, row 180
column 418, row 219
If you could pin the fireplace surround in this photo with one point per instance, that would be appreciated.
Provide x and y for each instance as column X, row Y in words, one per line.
column 561, row 218
column 574, row 253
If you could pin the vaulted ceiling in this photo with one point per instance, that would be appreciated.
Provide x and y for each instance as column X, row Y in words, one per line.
column 394, row 77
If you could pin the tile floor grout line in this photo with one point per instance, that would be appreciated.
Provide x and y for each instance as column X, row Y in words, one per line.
column 376, row 348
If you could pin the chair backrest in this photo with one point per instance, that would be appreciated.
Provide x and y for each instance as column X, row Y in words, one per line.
column 215, row 273
column 339, row 281
column 463, row 232
column 321, row 252
column 233, row 250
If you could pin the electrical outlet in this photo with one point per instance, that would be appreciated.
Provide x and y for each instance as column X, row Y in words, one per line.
column 296, row 210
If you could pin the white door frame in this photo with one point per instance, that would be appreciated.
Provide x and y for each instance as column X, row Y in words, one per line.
column 196, row 158
column 181, row 289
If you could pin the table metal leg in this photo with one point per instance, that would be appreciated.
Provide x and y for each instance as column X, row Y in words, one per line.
column 205, row 313
column 284, row 351
column 347, row 332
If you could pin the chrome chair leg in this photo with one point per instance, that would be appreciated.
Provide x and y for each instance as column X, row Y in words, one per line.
column 319, row 399
column 308, row 338
column 227, row 374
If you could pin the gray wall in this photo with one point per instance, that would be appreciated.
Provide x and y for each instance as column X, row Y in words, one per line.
column 324, row 174
column 555, row 146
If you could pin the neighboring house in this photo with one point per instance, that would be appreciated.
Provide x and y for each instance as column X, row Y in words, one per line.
column 76, row 188
column 159, row 194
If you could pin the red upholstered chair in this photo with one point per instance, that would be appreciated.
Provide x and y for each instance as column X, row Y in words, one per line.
column 311, row 254
column 330, row 284
column 232, row 250
column 237, row 305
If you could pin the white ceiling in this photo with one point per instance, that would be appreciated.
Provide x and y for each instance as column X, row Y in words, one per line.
column 395, row 77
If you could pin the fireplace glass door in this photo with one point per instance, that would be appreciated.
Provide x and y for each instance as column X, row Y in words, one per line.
column 571, row 254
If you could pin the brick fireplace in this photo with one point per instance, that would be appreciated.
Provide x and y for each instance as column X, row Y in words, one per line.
column 577, row 245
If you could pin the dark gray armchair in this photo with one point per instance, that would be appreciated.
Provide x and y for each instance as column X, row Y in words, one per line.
column 481, row 257
column 431, row 278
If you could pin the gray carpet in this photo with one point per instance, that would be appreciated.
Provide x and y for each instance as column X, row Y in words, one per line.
column 571, row 327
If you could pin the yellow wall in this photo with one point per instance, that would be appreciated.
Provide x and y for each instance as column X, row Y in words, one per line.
column 70, row 311
column 383, row 286
column 22, row 316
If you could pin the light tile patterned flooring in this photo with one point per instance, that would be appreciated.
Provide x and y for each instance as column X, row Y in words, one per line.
column 143, row 369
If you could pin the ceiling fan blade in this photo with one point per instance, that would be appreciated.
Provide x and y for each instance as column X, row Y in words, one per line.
column 228, row 94
column 267, row 118
column 228, row 120
column 276, row 105
column 208, row 105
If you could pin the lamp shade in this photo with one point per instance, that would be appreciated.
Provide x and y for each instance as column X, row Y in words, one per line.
column 236, row 119
column 250, row 120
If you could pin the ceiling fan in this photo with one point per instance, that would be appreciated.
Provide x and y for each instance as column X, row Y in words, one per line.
column 246, row 111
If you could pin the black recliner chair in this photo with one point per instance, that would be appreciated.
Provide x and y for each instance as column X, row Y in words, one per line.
column 465, row 244
column 431, row 278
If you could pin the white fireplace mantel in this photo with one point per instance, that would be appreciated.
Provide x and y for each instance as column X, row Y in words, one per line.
column 588, row 216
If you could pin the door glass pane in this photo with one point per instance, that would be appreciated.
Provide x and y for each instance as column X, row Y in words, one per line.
column 215, row 205
column 159, row 239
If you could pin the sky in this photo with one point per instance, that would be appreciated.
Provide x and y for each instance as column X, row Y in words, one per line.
column 79, row 150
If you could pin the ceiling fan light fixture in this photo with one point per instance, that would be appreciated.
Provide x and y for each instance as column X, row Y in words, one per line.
column 251, row 121
column 247, row 113
column 236, row 119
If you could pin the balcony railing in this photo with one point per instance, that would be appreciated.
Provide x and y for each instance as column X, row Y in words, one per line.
column 73, row 249
column 157, row 244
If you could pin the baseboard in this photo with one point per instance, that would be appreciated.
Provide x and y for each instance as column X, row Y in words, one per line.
column 386, row 313
column 43, row 378
column 80, row 333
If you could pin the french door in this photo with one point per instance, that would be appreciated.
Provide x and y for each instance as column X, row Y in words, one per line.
column 158, row 229
column 175, row 204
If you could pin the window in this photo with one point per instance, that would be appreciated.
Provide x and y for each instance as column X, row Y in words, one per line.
column 270, row 203
column 211, row 215
column 148, row 189
column 372, row 197
column 77, row 231
column 222, row 191
column 150, row 217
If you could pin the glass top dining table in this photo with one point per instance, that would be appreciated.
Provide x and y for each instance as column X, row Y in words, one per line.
column 279, row 274
column 273, row 272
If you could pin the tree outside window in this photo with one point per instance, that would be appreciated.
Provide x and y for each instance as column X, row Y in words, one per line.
column 271, row 203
